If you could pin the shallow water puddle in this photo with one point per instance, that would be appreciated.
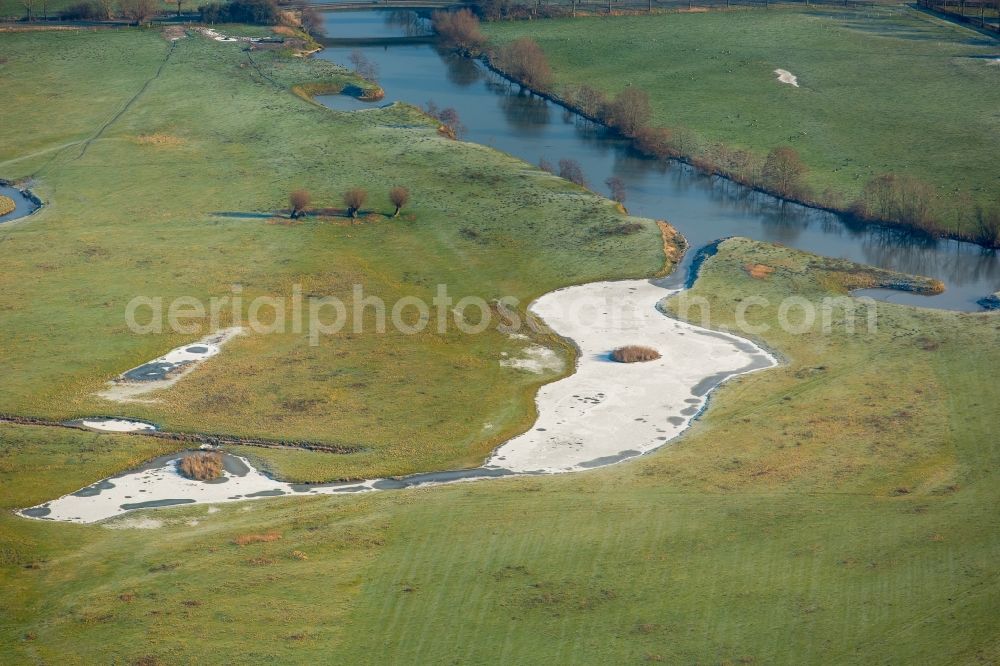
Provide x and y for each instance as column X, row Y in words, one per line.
column 166, row 370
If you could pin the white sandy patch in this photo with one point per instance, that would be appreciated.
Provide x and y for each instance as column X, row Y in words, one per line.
column 536, row 359
column 117, row 425
column 604, row 413
column 219, row 37
column 607, row 411
column 183, row 359
column 787, row 77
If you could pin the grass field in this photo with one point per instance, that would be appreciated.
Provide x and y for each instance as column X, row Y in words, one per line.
column 838, row 509
column 884, row 89
column 148, row 202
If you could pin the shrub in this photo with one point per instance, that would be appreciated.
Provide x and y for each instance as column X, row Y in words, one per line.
column 447, row 117
column 545, row 165
column 591, row 101
column 459, row 30
column 634, row 354
column 299, row 201
column 201, row 466
column 572, row 171
column 783, row 171
column 655, row 141
column 524, row 60
column 630, row 111
column 354, row 199
column 399, row 196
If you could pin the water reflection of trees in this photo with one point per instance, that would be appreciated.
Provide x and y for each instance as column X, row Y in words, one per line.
column 524, row 111
column 407, row 22
column 463, row 72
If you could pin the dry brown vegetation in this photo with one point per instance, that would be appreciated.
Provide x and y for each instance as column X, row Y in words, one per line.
column 889, row 196
column 399, row 196
column 634, row 354
column 630, row 112
column 247, row 539
column 524, row 60
column 6, row 205
column 572, row 171
column 354, row 199
column 299, row 201
column 201, row 466
column 459, row 30
column 783, row 171
column 158, row 139
column 758, row 271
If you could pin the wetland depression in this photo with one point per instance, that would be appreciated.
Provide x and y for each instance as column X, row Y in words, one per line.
column 703, row 208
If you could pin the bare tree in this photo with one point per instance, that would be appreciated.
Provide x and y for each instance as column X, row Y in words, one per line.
column 617, row 187
column 299, row 201
column 783, row 171
column 139, row 11
column 364, row 67
column 399, row 196
column 354, row 199
column 311, row 20
column 545, row 165
column 524, row 60
column 106, row 8
column 572, row 171
column 447, row 117
column 28, row 5
column 459, row 30
column 630, row 111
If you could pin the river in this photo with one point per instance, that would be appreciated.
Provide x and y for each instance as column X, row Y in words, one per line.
column 704, row 208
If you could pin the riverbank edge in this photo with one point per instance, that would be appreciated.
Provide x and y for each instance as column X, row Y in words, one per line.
column 690, row 160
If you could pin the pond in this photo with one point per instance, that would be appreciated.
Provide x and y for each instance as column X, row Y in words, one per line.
column 23, row 205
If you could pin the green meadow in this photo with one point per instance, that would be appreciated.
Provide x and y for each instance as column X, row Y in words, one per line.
column 161, row 183
column 837, row 509
column 882, row 89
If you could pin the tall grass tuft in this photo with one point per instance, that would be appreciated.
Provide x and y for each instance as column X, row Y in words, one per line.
column 634, row 354
column 201, row 466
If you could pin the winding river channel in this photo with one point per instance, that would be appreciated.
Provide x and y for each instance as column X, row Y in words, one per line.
column 703, row 208
column 604, row 412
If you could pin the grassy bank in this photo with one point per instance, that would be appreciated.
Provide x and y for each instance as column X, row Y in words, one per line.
column 882, row 90
column 837, row 509
column 161, row 183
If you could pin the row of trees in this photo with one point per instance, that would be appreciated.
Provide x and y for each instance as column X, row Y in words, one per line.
column 258, row 12
column 136, row 11
column 261, row 12
column 354, row 199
